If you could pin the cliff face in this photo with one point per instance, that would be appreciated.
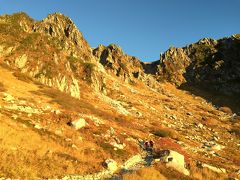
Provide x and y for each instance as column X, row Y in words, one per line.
column 120, row 64
column 208, row 63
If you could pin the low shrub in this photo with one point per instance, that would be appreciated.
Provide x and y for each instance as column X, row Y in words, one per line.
column 2, row 88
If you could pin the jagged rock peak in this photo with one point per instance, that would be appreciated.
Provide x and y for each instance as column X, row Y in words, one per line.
column 207, row 41
column 114, row 59
column 115, row 47
column 55, row 17
column 59, row 25
column 63, row 28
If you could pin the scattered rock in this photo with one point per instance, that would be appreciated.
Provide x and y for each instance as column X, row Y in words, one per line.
column 14, row 116
column 58, row 132
column 56, row 111
column 117, row 145
column 78, row 124
column 8, row 97
column 200, row 126
column 74, row 146
column 215, row 169
column 21, row 61
column 218, row 147
column 37, row 126
column 26, row 109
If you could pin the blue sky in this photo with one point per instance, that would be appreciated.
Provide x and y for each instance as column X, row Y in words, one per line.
column 142, row 28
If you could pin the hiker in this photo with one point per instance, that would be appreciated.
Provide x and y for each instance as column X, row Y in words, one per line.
column 149, row 146
column 151, row 143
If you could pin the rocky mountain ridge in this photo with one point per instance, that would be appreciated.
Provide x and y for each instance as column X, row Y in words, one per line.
column 210, row 63
column 213, row 64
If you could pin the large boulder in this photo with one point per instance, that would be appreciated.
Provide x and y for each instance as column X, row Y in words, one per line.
column 175, row 160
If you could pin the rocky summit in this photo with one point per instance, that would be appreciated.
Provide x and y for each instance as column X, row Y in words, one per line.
column 70, row 111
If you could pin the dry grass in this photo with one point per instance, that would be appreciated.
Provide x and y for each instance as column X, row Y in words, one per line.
column 145, row 174
column 169, row 173
column 165, row 132
column 29, row 165
column 204, row 173
column 44, row 154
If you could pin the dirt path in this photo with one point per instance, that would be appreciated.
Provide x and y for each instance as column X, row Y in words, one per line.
column 134, row 163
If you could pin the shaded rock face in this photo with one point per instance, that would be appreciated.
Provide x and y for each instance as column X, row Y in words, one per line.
column 172, row 65
column 113, row 59
column 208, row 63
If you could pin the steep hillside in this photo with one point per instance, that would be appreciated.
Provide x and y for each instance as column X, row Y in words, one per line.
column 68, row 111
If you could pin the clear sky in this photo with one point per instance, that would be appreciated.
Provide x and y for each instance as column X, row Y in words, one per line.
column 143, row 28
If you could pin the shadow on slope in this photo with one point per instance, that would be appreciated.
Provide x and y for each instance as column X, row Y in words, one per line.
column 217, row 99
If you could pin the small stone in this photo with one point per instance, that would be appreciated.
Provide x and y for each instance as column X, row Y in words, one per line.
column 58, row 132
column 218, row 147
column 112, row 131
column 199, row 125
column 111, row 165
column 215, row 169
column 8, row 97
column 56, row 111
column 78, row 124
column 74, row 146
column 14, row 116
column 37, row 126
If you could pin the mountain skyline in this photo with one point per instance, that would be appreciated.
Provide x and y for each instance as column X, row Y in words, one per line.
column 141, row 29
